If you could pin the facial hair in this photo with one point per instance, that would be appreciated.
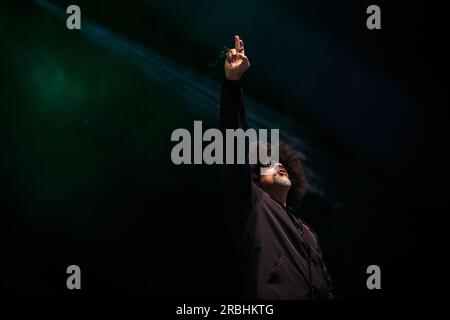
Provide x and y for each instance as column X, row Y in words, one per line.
column 281, row 180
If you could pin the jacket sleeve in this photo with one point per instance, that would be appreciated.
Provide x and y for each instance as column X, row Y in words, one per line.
column 236, row 178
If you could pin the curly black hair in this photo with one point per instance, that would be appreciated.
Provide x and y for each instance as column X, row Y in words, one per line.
column 291, row 162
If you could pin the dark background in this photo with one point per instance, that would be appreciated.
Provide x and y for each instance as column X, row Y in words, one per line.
column 85, row 170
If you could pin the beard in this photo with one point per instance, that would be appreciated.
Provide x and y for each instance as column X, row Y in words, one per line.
column 282, row 181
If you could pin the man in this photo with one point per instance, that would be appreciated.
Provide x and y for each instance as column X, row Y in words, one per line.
column 280, row 255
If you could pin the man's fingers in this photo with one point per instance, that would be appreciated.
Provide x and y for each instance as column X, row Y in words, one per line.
column 241, row 46
column 237, row 43
column 234, row 55
column 244, row 59
column 243, row 56
column 231, row 55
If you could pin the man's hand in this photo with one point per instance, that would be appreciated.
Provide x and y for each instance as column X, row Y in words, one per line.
column 236, row 62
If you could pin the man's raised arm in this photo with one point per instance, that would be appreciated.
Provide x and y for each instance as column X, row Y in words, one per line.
column 236, row 179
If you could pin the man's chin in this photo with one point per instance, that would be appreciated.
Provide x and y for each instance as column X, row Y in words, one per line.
column 282, row 181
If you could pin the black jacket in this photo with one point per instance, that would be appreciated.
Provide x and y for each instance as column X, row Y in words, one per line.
column 280, row 257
